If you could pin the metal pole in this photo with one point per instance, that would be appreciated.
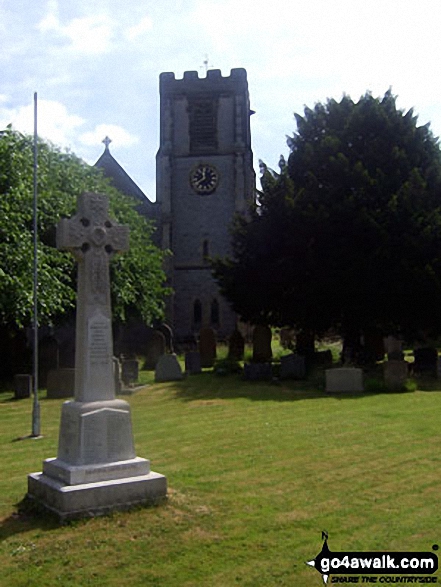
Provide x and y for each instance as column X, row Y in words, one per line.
column 36, row 405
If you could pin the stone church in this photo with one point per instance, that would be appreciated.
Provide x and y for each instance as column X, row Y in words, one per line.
column 204, row 176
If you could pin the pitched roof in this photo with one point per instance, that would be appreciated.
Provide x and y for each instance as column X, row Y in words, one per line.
column 122, row 181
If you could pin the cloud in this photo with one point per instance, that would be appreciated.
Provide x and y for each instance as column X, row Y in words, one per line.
column 90, row 35
column 144, row 26
column 54, row 121
column 119, row 136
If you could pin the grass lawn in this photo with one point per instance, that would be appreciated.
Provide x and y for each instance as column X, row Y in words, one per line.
column 256, row 471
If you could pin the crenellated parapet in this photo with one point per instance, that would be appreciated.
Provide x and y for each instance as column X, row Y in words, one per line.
column 213, row 81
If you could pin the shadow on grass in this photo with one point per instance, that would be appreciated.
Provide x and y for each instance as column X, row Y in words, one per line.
column 28, row 516
column 209, row 386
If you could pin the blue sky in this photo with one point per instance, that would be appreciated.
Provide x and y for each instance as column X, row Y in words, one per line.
column 95, row 64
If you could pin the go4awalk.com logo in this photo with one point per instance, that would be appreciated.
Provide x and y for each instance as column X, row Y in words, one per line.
column 375, row 567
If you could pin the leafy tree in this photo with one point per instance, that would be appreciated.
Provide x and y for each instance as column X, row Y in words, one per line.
column 348, row 233
column 137, row 277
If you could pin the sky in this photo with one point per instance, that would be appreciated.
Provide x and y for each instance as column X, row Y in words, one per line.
column 95, row 65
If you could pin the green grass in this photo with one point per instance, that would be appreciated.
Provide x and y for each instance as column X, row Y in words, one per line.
column 256, row 471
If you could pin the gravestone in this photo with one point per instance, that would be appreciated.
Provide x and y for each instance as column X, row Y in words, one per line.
column 236, row 346
column 168, row 335
column 22, row 386
column 96, row 469
column 207, row 347
column 426, row 361
column 48, row 358
column 168, row 369
column 61, row 383
column 193, row 363
column 292, row 367
column 257, row 371
column 395, row 374
column 155, row 348
column 394, row 348
column 262, row 352
column 129, row 371
column 344, row 379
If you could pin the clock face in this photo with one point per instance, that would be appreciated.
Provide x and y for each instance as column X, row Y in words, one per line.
column 204, row 179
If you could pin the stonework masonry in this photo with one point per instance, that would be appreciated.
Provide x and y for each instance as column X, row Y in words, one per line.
column 204, row 130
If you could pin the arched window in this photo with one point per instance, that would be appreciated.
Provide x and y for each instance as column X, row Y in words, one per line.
column 205, row 250
column 197, row 313
column 214, row 315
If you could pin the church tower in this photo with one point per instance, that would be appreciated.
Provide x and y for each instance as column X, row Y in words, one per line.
column 204, row 177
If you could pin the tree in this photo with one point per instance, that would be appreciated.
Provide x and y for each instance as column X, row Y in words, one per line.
column 137, row 278
column 348, row 234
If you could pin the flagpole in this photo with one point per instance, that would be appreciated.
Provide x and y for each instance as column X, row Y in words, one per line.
column 35, row 405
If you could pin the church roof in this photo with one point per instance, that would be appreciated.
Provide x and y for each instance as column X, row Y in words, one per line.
column 121, row 180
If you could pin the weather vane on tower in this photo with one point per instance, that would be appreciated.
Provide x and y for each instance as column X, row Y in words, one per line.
column 205, row 64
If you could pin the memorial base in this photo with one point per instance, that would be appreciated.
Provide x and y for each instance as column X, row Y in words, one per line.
column 91, row 499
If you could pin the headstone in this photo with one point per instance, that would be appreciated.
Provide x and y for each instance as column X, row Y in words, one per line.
column 236, row 346
column 257, row 371
column 129, row 371
column 48, row 358
column 292, row 367
column 262, row 352
column 117, row 375
column 168, row 369
column 394, row 348
column 168, row 334
column 426, row 361
column 155, row 348
column 22, row 386
column 61, row 383
column 96, row 469
column 439, row 367
column 193, row 363
column 207, row 347
column 287, row 338
column 344, row 379
column 395, row 374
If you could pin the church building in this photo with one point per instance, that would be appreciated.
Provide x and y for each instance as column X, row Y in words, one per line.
column 204, row 176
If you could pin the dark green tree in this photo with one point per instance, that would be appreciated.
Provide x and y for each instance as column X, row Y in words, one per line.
column 137, row 281
column 348, row 234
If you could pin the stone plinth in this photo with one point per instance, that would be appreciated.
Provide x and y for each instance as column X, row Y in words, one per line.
column 90, row 499
column 96, row 469
column 344, row 380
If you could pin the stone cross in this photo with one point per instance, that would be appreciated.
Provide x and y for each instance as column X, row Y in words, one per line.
column 93, row 238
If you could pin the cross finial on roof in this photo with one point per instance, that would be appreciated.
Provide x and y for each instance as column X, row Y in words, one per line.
column 107, row 142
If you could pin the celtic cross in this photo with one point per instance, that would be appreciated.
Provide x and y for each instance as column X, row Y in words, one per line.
column 93, row 238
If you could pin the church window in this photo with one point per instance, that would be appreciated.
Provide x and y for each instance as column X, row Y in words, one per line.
column 205, row 250
column 214, row 313
column 203, row 115
column 197, row 313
